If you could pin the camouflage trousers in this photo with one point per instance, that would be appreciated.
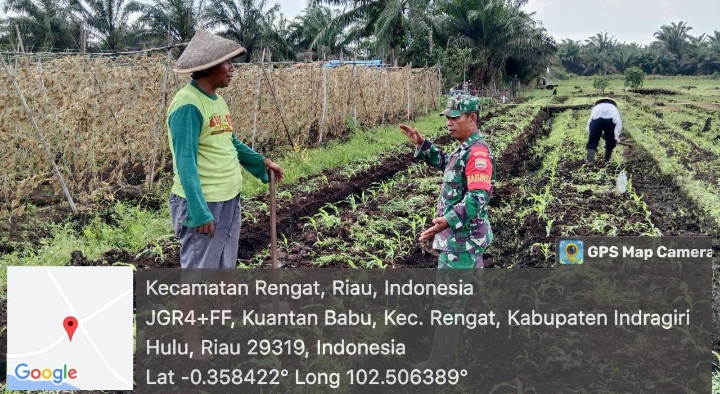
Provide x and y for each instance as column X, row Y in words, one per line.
column 461, row 260
column 466, row 268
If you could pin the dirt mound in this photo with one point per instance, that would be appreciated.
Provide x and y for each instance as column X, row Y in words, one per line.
column 645, row 91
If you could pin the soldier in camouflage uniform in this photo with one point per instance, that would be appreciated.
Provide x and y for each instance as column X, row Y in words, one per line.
column 461, row 229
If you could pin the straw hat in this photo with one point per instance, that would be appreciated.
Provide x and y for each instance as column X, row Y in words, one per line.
column 206, row 50
column 605, row 100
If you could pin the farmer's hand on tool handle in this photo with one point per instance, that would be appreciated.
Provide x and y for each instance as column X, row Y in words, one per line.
column 271, row 165
column 440, row 224
column 412, row 134
column 207, row 228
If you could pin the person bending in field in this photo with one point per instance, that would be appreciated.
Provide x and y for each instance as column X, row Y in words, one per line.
column 461, row 230
column 207, row 161
column 604, row 122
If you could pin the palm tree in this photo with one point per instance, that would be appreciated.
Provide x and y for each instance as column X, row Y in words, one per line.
column 674, row 37
column 714, row 41
column 496, row 30
column 108, row 20
column 169, row 21
column 597, row 53
column 699, row 58
column 43, row 24
column 306, row 29
column 624, row 56
column 601, row 41
column 387, row 21
column 277, row 34
column 245, row 21
column 570, row 52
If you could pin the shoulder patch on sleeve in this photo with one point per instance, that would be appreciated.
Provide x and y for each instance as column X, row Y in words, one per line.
column 479, row 169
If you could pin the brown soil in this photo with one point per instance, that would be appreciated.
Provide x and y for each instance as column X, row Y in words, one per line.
column 255, row 237
column 645, row 91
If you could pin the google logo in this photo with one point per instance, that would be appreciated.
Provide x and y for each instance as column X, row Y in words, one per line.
column 57, row 375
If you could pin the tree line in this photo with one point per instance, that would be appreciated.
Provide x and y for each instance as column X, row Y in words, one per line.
column 674, row 52
column 484, row 41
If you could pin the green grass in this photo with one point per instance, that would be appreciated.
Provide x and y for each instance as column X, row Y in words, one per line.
column 703, row 86
column 135, row 228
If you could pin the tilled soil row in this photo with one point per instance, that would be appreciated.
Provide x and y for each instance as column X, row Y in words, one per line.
column 256, row 237
column 515, row 162
column 691, row 159
column 664, row 196
column 420, row 255
column 358, row 225
column 696, row 154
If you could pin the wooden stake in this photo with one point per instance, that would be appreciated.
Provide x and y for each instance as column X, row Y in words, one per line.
column 21, row 48
column 49, row 154
column 273, row 220
column 257, row 98
column 427, row 89
column 408, row 89
column 386, row 77
column 324, row 109
column 350, row 90
column 83, row 37
column 277, row 105
column 42, row 80
column 161, row 108
column 440, row 84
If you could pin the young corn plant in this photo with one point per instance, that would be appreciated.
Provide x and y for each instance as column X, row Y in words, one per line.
column 353, row 203
column 328, row 220
column 544, row 248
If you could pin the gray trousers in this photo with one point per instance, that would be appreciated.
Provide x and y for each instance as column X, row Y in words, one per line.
column 199, row 251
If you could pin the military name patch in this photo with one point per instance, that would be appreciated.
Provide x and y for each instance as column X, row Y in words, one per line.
column 480, row 153
column 479, row 173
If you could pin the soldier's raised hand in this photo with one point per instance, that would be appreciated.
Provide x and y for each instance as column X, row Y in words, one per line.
column 412, row 134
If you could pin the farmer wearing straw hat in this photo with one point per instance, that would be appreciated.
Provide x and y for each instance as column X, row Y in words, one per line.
column 461, row 230
column 207, row 161
column 604, row 122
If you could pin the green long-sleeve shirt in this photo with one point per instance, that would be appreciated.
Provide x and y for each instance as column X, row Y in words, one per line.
column 207, row 156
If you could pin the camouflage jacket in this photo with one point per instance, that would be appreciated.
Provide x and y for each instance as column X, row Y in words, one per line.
column 466, row 189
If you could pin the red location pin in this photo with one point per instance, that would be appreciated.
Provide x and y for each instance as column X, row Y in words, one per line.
column 70, row 324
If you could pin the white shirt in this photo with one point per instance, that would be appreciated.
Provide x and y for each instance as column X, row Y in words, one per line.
column 607, row 111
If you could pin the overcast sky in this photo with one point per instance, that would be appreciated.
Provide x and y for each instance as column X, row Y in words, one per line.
column 627, row 20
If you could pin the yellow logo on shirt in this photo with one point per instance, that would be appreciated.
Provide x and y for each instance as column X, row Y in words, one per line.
column 217, row 124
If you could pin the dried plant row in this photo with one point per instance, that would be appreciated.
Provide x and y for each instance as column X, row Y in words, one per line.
column 99, row 117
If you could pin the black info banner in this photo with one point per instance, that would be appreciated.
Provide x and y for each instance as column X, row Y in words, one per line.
column 633, row 323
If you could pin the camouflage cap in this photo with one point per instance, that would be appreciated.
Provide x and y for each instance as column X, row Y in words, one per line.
column 460, row 104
